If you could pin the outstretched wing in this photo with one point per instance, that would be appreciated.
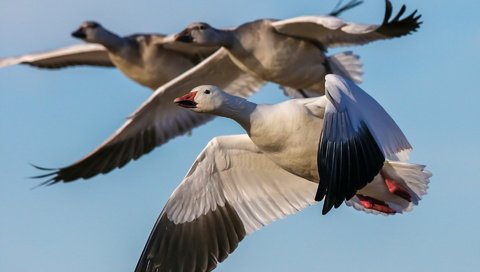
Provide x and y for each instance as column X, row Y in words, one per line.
column 358, row 135
column 191, row 50
column 231, row 190
column 341, row 9
column 80, row 54
column 158, row 120
column 332, row 32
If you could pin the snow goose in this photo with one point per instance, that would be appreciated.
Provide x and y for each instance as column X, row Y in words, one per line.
column 240, row 183
column 158, row 120
column 149, row 59
column 292, row 52
column 299, row 64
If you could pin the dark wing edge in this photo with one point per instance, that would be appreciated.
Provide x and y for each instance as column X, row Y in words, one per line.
column 116, row 155
column 98, row 58
column 337, row 10
column 200, row 244
column 118, row 150
column 348, row 159
column 105, row 64
column 396, row 27
column 357, row 136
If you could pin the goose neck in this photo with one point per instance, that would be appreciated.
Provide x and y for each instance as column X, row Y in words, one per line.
column 111, row 41
column 227, row 38
column 239, row 109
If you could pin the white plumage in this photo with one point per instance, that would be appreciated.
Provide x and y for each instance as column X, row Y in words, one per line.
column 79, row 54
column 289, row 52
column 241, row 183
column 149, row 59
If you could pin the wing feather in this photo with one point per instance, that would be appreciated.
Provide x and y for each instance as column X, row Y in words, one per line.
column 243, row 191
column 158, row 120
column 358, row 135
column 333, row 32
column 80, row 54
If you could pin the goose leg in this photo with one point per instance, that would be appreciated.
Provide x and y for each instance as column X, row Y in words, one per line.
column 397, row 189
column 375, row 204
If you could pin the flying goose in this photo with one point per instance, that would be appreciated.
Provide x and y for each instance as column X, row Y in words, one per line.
column 267, row 52
column 291, row 52
column 158, row 120
column 149, row 59
column 241, row 183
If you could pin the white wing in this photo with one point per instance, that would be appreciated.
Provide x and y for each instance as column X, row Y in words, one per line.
column 158, row 120
column 358, row 135
column 231, row 190
column 80, row 54
column 331, row 31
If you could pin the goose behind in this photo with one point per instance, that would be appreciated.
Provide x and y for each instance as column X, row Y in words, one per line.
column 149, row 59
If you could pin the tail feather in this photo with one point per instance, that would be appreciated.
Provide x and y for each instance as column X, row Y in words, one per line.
column 348, row 65
column 412, row 177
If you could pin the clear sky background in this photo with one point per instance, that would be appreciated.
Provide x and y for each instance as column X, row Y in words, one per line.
column 427, row 81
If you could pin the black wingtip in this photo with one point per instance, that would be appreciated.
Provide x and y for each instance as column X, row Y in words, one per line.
column 52, row 172
column 325, row 210
column 337, row 10
column 165, row 251
column 348, row 159
column 43, row 176
column 45, row 183
column 397, row 27
column 388, row 12
column 400, row 13
column 42, row 168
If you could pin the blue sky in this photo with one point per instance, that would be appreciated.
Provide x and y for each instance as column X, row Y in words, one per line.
column 426, row 81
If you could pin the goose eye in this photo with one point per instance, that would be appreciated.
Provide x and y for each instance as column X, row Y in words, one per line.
column 206, row 92
column 202, row 27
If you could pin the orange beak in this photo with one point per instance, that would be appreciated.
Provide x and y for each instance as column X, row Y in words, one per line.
column 186, row 101
column 184, row 36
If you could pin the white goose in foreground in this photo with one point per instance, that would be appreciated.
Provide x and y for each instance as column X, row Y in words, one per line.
column 149, row 59
column 288, row 52
column 240, row 183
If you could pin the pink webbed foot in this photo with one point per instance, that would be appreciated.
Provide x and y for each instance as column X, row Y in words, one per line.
column 397, row 189
column 375, row 204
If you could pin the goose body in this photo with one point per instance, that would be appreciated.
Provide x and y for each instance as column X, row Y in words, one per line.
column 278, row 58
column 271, row 127
column 241, row 183
column 289, row 132
column 292, row 52
column 289, row 52
column 148, row 59
column 145, row 60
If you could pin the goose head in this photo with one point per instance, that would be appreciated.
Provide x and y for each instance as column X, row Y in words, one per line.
column 90, row 31
column 202, row 34
column 205, row 98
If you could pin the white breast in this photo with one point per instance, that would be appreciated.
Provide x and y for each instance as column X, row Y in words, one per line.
column 288, row 133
